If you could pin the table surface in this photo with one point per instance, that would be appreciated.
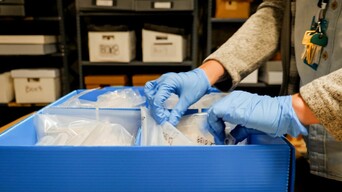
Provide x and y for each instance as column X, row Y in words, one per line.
column 5, row 127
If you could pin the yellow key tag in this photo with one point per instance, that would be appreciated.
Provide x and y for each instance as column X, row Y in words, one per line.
column 307, row 37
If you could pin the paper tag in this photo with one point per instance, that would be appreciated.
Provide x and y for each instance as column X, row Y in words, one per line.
column 104, row 2
column 162, row 5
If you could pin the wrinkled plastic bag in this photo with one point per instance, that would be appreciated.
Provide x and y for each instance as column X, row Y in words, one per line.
column 205, row 102
column 76, row 131
column 195, row 127
column 153, row 134
column 106, row 98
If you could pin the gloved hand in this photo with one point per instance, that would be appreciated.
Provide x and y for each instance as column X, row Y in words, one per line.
column 272, row 115
column 189, row 86
column 239, row 133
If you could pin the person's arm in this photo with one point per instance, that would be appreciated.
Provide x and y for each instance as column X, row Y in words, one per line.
column 302, row 110
column 324, row 98
column 253, row 44
column 214, row 71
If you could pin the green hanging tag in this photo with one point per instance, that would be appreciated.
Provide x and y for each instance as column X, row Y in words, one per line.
column 319, row 39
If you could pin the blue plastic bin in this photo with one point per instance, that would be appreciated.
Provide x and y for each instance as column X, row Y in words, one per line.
column 264, row 164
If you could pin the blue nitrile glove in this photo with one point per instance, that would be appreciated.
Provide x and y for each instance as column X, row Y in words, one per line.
column 189, row 86
column 272, row 115
column 240, row 133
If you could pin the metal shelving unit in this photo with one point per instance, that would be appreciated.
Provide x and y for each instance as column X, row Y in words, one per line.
column 42, row 17
column 185, row 19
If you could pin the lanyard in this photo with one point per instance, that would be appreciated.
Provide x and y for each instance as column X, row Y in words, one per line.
column 322, row 4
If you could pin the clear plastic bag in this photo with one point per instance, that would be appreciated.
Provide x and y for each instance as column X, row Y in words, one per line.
column 195, row 127
column 106, row 98
column 205, row 102
column 153, row 134
column 76, row 131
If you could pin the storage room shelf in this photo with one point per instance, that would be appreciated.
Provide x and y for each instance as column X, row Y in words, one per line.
column 138, row 63
column 228, row 20
column 184, row 23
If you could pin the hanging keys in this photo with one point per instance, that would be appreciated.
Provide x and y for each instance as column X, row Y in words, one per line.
column 309, row 47
column 314, row 40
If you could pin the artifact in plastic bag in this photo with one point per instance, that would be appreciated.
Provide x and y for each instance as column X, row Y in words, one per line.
column 75, row 131
column 155, row 134
column 106, row 98
column 205, row 102
column 194, row 127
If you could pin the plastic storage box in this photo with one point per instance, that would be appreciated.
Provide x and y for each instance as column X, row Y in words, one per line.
column 265, row 164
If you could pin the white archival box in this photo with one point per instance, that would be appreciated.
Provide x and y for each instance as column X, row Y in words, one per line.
column 251, row 78
column 28, row 39
column 36, row 85
column 117, row 46
column 27, row 44
column 6, row 88
column 271, row 73
column 163, row 47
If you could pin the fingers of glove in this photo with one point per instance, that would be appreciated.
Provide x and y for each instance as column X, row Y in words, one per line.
column 150, row 90
column 157, row 92
column 231, row 109
column 240, row 133
column 216, row 127
column 160, row 114
column 178, row 111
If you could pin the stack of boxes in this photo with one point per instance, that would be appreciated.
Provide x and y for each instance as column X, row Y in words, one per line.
column 158, row 45
column 12, row 8
column 30, row 86
column 27, row 44
column 150, row 43
column 36, row 85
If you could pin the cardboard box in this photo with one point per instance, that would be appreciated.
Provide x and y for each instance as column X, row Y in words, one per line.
column 232, row 9
column 12, row 2
column 36, row 85
column 251, row 78
column 272, row 77
column 164, row 5
column 263, row 164
column 163, row 47
column 27, row 49
column 95, row 81
column 116, row 46
column 105, row 4
column 141, row 79
column 12, row 10
column 6, row 88
column 271, row 72
column 28, row 39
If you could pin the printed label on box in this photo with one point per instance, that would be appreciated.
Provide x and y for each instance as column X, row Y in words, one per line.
column 104, row 2
column 111, row 46
column 163, row 50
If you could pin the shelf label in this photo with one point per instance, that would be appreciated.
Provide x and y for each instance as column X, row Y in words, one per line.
column 104, row 2
column 162, row 5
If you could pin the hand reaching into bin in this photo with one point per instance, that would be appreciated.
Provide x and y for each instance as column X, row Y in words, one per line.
column 272, row 115
column 189, row 86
